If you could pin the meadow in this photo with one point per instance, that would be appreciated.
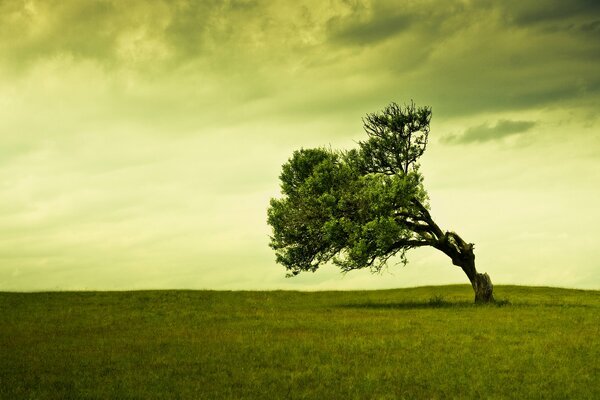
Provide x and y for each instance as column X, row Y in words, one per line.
column 427, row 342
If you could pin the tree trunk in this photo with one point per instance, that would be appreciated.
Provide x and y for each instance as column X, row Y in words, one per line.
column 462, row 256
column 459, row 251
column 483, row 288
column 481, row 283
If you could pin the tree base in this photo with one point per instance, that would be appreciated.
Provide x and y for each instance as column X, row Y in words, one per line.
column 483, row 288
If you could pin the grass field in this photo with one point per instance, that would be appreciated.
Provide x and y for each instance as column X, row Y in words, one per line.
column 428, row 342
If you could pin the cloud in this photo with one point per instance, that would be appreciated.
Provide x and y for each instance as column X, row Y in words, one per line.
column 496, row 57
column 370, row 31
column 485, row 132
column 530, row 13
column 33, row 31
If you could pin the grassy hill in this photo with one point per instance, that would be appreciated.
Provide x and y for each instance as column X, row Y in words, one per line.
column 428, row 342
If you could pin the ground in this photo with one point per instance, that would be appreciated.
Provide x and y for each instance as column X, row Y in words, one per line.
column 428, row 342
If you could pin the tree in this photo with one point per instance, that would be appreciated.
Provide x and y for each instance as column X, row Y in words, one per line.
column 359, row 208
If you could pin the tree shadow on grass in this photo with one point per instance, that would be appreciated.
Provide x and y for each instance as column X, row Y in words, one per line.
column 437, row 302
column 411, row 305
column 433, row 302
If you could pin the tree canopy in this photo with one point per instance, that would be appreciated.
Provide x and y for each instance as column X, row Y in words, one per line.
column 359, row 208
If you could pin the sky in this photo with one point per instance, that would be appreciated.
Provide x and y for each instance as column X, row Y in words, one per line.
column 141, row 141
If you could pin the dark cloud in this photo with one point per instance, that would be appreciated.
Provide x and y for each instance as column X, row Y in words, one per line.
column 485, row 93
column 532, row 13
column 486, row 132
column 575, row 18
column 466, row 58
column 371, row 31
column 462, row 58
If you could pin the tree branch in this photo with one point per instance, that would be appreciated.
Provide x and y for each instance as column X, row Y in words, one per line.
column 409, row 215
column 427, row 218
column 416, row 227
column 410, row 243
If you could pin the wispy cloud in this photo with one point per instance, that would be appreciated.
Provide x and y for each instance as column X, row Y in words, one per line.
column 486, row 132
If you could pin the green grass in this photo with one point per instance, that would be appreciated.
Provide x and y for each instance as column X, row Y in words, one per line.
column 428, row 342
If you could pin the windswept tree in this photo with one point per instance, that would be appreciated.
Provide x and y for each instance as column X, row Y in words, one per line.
column 360, row 208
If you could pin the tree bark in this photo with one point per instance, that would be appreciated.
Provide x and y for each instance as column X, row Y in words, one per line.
column 483, row 288
column 481, row 283
column 462, row 255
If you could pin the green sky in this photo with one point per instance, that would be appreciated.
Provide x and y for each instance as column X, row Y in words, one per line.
column 140, row 141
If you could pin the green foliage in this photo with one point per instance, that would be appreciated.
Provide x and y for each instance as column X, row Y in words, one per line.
column 353, row 208
column 397, row 138
column 386, row 344
column 333, row 212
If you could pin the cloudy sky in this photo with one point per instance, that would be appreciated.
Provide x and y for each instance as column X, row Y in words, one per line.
column 140, row 141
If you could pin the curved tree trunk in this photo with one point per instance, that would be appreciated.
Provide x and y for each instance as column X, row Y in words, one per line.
column 462, row 256
column 481, row 283
column 459, row 251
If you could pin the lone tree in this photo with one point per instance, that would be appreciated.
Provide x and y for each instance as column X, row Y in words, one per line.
column 361, row 207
